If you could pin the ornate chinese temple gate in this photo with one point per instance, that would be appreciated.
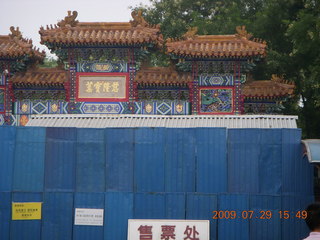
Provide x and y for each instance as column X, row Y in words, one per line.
column 104, row 68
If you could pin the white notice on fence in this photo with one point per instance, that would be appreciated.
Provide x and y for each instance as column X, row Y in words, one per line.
column 88, row 216
column 156, row 229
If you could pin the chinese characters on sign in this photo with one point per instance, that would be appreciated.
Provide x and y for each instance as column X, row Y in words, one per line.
column 26, row 210
column 145, row 229
column 102, row 87
column 145, row 232
column 88, row 217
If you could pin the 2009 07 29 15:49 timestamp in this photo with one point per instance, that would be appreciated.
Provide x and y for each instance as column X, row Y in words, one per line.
column 259, row 214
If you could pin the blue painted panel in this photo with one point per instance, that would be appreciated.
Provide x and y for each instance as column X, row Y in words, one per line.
column 200, row 207
column 211, row 160
column 118, row 209
column 57, row 216
column 233, row 229
column 31, row 134
column 7, row 145
column 294, row 168
column 263, row 227
column 5, row 215
column 243, row 164
column 60, row 159
column 24, row 229
column 7, row 133
column 88, row 200
column 290, row 149
column 180, row 160
column 119, row 159
column 29, row 159
column 175, row 206
column 90, row 172
column 293, row 227
column 150, row 206
column 270, row 162
column 149, row 159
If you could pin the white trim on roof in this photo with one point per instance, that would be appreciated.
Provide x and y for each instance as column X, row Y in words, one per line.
column 185, row 121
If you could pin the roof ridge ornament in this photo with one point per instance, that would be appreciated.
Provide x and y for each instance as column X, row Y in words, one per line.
column 138, row 19
column 70, row 20
column 242, row 32
column 15, row 33
column 280, row 79
column 191, row 33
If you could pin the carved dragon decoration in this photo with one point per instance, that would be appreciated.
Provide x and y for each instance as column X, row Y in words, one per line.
column 242, row 32
column 69, row 20
column 15, row 33
column 138, row 19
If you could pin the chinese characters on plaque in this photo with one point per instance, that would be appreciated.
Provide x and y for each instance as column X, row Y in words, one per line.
column 144, row 229
column 102, row 87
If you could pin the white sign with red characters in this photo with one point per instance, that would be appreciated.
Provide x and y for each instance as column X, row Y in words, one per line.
column 156, row 229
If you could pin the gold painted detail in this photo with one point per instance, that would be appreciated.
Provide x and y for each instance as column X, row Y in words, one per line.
column 102, row 67
column 179, row 108
column 54, row 107
column 102, row 86
column 24, row 108
column 148, row 108
column 24, row 120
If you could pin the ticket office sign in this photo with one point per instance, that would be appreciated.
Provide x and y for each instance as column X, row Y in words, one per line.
column 102, row 87
column 146, row 229
column 26, row 210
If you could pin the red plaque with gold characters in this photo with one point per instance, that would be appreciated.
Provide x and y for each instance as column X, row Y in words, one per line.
column 102, row 87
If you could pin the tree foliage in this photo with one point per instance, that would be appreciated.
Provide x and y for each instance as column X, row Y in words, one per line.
column 290, row 27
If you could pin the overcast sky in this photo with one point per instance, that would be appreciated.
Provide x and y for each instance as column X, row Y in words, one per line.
column 30, row 15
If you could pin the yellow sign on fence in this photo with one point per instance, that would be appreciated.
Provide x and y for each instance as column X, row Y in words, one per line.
column 26, row 210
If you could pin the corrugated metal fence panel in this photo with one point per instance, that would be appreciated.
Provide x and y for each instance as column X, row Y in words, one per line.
column 294, row 168
column 211, row 160
column 22, row 229
column 243, row 155
column 88, row 200
column 294, row 227
column 180, row 160
column 60, row 159
column 57, row 216
column 175, row 206
column 270, row 162
column 90, row 172
column 29, row 159
column 7, row 145
column 5, row 215
column 119, row 159
column 149, row 159
column 265, row 223
column 118, row 209
column 150, row 206
column 238, row 228
column 200, row 207
column 290, row 142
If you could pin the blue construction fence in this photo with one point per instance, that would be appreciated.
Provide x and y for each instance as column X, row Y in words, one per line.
column 154, row 173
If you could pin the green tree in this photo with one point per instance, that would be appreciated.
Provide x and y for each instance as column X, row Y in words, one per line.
column 290, row 27
column 49, row 62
